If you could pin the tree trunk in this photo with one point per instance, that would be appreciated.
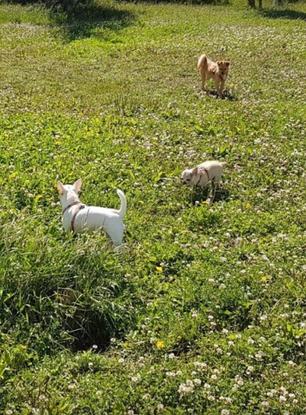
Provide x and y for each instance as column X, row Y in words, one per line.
column 260, row 4
column 251, row 3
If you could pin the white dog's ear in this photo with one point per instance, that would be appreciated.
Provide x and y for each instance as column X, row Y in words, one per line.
column 194, row 171
column 60, row 188
column 77, row 185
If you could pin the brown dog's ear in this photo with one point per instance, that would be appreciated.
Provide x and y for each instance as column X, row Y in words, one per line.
column 60, row 188
column 219, row 62
column 77, row 185
column 227, row 63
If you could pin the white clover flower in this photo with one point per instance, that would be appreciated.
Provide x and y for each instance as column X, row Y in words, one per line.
column 160, row 407
column 284, row 390
column 171, row 356
column 206, row 386
column 249, row 370
column 136, row 379
column 265, row 404
column 214, row 377
column 282, row 398
column 250, row 340
column 225, row 412
column 200, row 365
column 197, row 382
column 185, row 389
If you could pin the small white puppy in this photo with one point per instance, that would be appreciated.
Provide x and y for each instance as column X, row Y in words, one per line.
column 205, row 173
column 78, row 217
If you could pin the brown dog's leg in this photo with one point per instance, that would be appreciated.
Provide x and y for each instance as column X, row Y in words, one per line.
column 221, row 88
column 204, row 80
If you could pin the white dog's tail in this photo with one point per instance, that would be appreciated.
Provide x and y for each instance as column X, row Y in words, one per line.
column 202, row 62
column 223, row 163
column 122, row 209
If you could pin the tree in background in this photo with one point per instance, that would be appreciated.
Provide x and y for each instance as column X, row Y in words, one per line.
column 252, row 4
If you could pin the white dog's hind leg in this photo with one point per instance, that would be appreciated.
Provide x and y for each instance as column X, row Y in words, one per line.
column 115, row 232
column 214, row 185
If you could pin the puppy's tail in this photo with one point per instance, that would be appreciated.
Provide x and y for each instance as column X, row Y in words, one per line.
column 223, row 163
column 122, row 210
column 202, row 62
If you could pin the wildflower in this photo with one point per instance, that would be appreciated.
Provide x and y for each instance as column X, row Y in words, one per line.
column 197, row 382
column 282, row 398
column 225, row 412
column 160, row 407
column 160, row 344
column 200, row 365
column 171, row 356
column 159, row 269
column 185, row 389
column 136, row 379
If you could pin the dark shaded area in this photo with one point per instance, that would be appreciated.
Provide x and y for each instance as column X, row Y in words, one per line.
column 226, row 94
column 213, row 2
column 201, row 195
column 283, row 14
column 78, row 19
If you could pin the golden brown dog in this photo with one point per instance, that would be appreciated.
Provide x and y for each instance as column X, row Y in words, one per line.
column 218, row 71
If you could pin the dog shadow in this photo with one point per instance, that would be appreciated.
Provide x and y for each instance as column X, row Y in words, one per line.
column 227, row 94
column 198, row 196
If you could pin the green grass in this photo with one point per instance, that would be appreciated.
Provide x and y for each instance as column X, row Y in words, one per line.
column 202, row 311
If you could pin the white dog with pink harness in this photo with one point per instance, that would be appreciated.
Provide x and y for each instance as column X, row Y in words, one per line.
column 78, row 217
column 203, row 174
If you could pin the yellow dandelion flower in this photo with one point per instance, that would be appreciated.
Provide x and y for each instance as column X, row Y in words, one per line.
column 160, row 344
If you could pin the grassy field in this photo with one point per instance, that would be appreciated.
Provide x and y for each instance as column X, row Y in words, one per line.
column 202, row 310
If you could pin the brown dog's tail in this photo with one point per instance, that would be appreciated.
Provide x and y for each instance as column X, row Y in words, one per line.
column 202, row 62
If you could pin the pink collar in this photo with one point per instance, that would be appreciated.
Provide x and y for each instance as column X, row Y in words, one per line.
column 69, row 206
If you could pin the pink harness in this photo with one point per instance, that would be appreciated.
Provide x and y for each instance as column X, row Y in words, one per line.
column 81, row 206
